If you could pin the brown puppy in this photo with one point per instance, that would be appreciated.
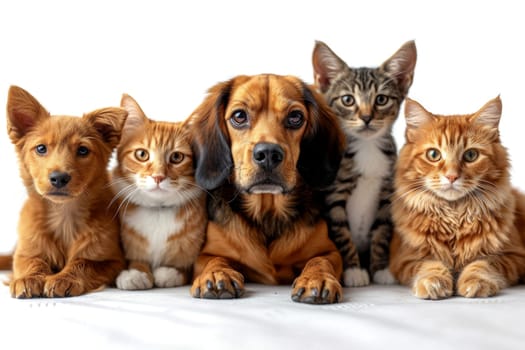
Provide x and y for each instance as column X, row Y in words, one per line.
column 264, row 144
column 68, row 243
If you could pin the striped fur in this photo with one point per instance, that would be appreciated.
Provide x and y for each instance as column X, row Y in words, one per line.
column 367, row 102
column 162, row 210
column 459, row 225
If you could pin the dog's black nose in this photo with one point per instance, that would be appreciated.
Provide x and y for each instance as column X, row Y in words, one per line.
column 268, row 155
column 59, row 179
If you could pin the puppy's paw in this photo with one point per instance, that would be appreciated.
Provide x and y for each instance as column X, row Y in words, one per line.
column 219, row 284
column 166, row 277
column 356, row 277
column 27, row 287
column 133, row 279
column 319, row 288
column 479, row 280
column 384, row 277
column 432, row 287
column 59, row 286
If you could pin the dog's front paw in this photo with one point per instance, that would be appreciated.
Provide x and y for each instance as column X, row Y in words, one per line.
column 356, row 277
column 133, row 279
column 166, row 277
column 59, row 286
column 27, row 287
column 479, row 280
column 219, row 284
column 321, row 288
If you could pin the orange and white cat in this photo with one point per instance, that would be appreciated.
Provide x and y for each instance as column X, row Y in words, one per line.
column 162, row 211
column 459, row 225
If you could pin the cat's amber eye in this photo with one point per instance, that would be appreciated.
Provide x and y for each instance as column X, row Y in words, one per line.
column 142, row 155
column 176, row 157
column 381, row 100
column 470, row 155
column 347, row 100
column 433, row 155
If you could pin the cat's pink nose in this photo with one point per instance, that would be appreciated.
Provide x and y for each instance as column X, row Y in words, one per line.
column 158, row 178
column 452, row 178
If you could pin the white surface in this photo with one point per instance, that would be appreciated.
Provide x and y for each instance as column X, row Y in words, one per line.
column 76, row 56
column 373, row 317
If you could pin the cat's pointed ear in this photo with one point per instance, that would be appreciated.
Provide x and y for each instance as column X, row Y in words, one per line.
column 23, row 113
column 109, row 123
column 402, row 64
column 415, row 116
column 489, row 114
column 136, row 117
column 327, row 65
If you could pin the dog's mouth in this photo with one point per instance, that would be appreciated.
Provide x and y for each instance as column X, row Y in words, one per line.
column 58, row 196
column 266, row 188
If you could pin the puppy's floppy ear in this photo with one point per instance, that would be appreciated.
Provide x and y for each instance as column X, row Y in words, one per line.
column 322, row 146
column 23, row 113
column 109, row 123
column 210, row 141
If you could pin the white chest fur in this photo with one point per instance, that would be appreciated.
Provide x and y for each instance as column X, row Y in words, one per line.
column 361, row 206
column 156, row 225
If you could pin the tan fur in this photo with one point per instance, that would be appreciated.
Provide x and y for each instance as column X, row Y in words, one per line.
column 467, row 241
column 68, row 242
column 276, row 236
column 186, row 203
column 6, row 262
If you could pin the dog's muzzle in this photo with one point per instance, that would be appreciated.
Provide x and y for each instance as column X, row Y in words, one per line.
column 268, row 156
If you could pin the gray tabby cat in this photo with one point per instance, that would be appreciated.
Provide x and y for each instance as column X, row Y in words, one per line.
column 367, row 101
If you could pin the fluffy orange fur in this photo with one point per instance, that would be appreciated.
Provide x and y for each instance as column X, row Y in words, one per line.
column 459, row 225
column 68, row 240
column 162, row 210
column 264, row 144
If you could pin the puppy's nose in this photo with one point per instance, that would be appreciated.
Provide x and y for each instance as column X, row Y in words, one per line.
column 59, row 179
column 268, row 155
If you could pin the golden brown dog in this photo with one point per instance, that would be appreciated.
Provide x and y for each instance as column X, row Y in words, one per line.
column 264, row 145
column 68, row 243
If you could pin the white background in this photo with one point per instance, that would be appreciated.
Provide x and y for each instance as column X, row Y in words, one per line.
column 76, row 56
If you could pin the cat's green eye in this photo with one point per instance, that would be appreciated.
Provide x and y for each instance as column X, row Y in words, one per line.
column 470, row 155
column 142, row 155
column 381, row 100
column 433, row 155
column 347, row 100
column 176, row 157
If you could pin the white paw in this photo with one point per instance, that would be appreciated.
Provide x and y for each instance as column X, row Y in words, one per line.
column 166, row 277
column 384, row 277
column 133, row 280
column 356, row 277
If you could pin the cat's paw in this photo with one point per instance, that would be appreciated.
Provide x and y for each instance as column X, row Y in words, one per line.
column 166, row 277
column 384, row 277
column 27, row 287
column 62, row 285
column 479, row 280
column 356, row 277
column 134, row 280
column 432, row 287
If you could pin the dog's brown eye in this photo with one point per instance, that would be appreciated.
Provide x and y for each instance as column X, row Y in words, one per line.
column 82, row 151
column 142, row 155
column 295, row 120
column 176, row 157
column 348, row 100
column 381, row 100
column 239, row 118
column 41, row 149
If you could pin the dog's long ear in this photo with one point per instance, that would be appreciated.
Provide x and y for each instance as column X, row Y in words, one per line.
column 322, row 146
column 109, row 123
column 23, row 113
column 210, row 141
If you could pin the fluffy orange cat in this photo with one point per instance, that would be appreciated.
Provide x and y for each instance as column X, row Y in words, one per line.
column 459, row 225
column 162, row 210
